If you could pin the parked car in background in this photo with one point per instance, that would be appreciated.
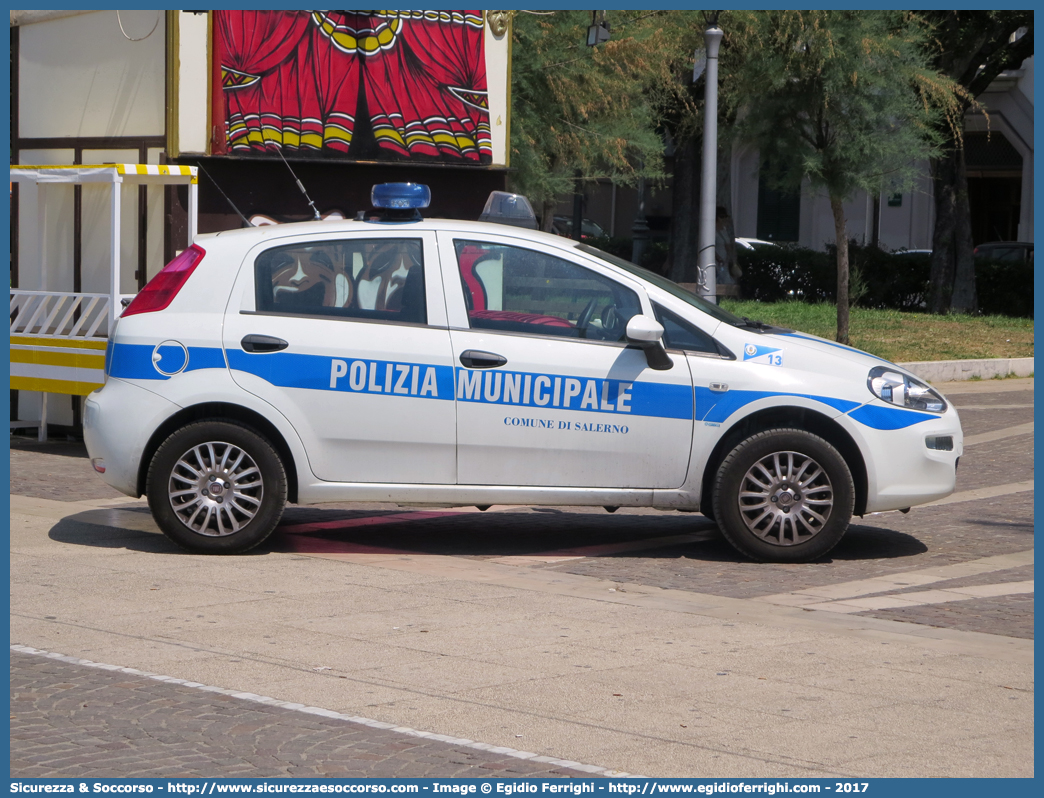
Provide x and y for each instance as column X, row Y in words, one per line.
column 754, row 243
column 563, row 226
column 1019, row 251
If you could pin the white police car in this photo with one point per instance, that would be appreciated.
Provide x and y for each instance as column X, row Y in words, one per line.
column 407, row 360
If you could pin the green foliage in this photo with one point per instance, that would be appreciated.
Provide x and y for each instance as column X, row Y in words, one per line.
column 844, row 98
column 583, row 109
column 773, row 274
column 1004, row 287
column 893, row 281
column 974, row 47
column 903, row 337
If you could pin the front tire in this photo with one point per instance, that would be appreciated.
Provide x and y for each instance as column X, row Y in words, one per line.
column 784, row 495
column 216, row 487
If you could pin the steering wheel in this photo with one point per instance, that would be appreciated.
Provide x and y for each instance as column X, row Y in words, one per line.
column 585, row 317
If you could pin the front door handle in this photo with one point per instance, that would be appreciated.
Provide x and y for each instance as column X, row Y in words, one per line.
column 263, row 343
column 475, row 359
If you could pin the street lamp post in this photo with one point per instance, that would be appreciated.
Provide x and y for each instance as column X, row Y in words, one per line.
column 709, row 186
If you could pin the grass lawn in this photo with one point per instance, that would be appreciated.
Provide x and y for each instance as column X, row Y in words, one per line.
column 902, row 337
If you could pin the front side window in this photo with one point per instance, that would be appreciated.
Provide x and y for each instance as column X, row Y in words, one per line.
column 377, row 279
column 680, row 334
column 513, row 289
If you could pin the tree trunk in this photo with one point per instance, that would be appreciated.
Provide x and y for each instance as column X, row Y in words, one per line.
column 940, row 286
column 963, row 299
column 547, row 218
column 952, row 276
column 682, row 261
column 841, row 237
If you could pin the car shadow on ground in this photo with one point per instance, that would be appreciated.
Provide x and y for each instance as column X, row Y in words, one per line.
column 60, row 448
column 534, row 536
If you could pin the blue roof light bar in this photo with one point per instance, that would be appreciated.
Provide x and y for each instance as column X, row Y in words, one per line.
column 400, row 196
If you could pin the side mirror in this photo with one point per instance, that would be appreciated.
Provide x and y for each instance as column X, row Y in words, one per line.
column 648, row 334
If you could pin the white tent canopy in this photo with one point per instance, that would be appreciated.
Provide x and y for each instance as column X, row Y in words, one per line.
column 135, row 173
column 116, row 174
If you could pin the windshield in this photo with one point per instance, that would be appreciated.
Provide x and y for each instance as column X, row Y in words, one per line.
column 670, row 287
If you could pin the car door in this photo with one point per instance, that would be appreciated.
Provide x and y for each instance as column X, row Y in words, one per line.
column 548, row 392
column 346, row 336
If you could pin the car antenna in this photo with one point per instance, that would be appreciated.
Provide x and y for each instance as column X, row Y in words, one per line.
column 223, row 194
column 300, row 185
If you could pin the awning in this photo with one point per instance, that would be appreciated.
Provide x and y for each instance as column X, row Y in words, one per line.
column 133, row 173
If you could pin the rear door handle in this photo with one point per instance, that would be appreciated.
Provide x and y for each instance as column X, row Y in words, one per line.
column 263, row 343
column 475, row 359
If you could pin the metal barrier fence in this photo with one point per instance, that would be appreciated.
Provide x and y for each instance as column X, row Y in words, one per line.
column 58, row 342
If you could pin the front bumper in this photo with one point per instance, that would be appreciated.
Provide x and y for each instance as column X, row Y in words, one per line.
column 903, row 471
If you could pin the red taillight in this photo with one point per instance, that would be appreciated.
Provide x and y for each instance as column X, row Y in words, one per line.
column 161, row 289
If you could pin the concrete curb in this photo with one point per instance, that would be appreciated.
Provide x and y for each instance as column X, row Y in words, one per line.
column 952, row 370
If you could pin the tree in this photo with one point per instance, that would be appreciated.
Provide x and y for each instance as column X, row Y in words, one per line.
column 579, row 111
column 844, row 99
column 679, row 106
column 972, row 48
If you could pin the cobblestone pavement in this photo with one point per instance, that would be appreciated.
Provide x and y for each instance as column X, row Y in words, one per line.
column 996, row 463
column 57, row 470
column 987, row 418
column 78, row 722
column 1014, row 615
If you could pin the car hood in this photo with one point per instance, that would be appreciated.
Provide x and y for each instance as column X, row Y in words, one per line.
column 833, row 349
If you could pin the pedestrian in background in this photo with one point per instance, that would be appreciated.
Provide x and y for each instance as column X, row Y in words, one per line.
column 726, row 267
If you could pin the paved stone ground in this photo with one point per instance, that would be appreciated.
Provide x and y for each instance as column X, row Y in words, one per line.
column 985, row 417
column 1014, row 615
column 56, row 470
column 996, row 463
column 72, row 721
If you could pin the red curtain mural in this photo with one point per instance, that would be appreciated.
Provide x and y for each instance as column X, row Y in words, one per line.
column 365, row 84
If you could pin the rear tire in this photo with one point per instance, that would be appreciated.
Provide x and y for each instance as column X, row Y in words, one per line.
column 784, row 495
column 216, row 487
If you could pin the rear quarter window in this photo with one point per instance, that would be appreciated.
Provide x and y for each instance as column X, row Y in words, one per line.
column 373, row 279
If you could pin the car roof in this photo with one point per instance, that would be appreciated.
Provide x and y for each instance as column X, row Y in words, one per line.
column 339, row 226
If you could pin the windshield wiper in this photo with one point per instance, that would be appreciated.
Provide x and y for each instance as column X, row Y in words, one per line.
column 754, row 324
column 760, row 326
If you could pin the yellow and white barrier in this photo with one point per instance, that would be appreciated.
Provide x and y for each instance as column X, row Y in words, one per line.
column 57, row 365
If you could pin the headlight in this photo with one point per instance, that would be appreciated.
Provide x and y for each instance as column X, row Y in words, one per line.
column 899, row 389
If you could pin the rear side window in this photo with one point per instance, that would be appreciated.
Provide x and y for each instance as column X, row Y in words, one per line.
column 680, row 334
column 375, row 279
column 514, row 289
